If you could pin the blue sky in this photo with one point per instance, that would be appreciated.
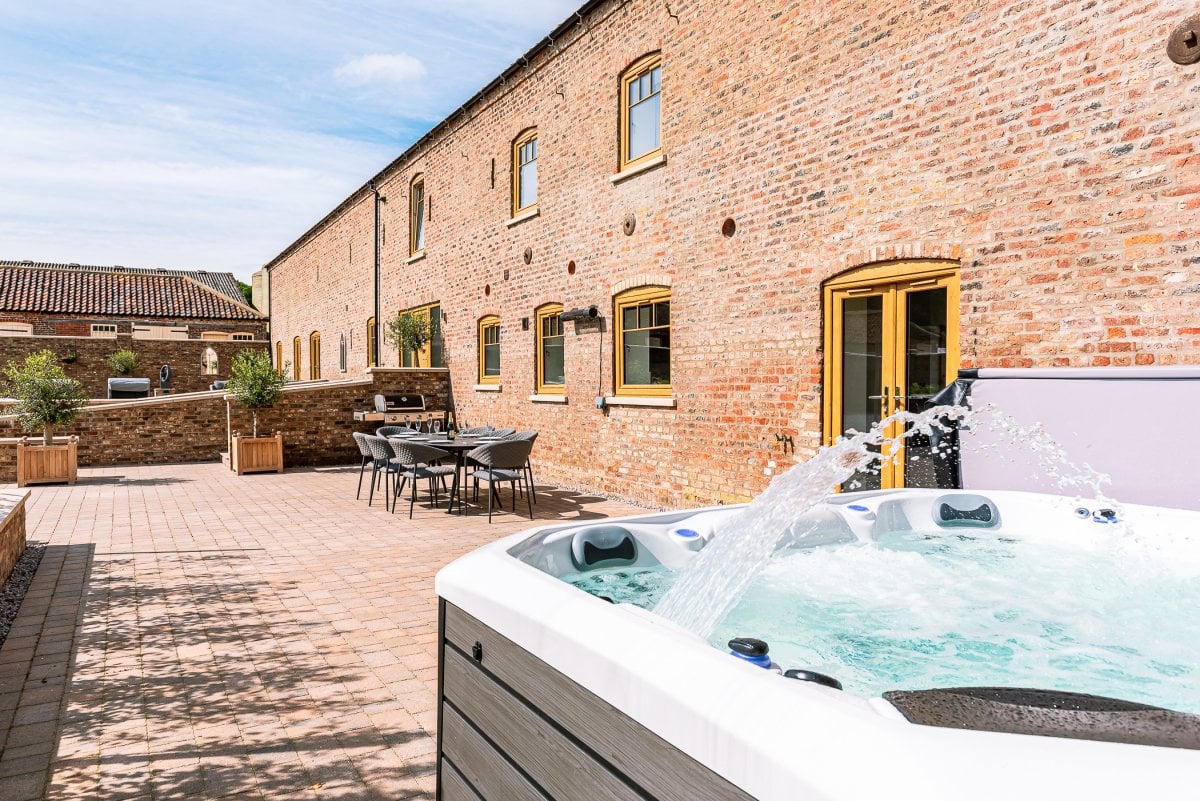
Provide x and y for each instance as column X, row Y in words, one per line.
column 210, row 135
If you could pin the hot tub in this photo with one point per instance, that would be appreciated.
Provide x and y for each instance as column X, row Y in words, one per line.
column 548, row 691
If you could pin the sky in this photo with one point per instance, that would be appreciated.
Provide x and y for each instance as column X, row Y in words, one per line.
column 211, row 135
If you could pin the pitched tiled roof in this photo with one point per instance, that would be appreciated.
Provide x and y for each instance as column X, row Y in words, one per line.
column 224, row 283
column 114, row 294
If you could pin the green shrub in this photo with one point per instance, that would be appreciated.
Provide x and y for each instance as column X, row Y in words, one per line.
column 123, row 362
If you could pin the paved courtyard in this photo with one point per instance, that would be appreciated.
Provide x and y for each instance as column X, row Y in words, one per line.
column 192, row 634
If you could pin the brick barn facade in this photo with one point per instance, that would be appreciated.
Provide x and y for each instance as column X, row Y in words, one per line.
column 821, row 165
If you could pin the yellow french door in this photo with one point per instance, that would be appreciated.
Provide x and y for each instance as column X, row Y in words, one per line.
column 891, row 343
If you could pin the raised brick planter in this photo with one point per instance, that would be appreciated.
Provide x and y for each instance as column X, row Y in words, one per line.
column 12, row 530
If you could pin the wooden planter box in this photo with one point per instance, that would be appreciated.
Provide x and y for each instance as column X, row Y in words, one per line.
column 256, row 454
column 47, row 464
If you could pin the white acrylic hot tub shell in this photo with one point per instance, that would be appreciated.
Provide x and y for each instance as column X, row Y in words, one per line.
column 777, row 738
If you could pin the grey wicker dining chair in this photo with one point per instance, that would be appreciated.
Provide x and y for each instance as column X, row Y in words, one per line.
column 475, row 431
column 416, row 461
column 392, row 431
column 531, row 436
column 383, row 461
column 360, row 440
column 501, row 461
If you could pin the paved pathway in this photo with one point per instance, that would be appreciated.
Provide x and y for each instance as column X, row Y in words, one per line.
column 191, row 634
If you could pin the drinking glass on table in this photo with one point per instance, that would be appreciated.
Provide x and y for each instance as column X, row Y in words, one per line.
column 435, row 427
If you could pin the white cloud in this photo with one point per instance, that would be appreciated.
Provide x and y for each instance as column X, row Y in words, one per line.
column 398, row 68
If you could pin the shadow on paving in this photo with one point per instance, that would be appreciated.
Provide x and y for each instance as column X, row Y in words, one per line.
column 132, row 482
column 35, row 663
column 197, row 676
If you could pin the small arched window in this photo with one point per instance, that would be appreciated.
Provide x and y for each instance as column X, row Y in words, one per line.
column 371, row 343
column 296, row 359
column 416, row 215
column 551, row 379
column 314, row 355
column 208, row 362
column 524, row 172
column 279, row 366
column 342, row 353
column 643, row 328
column 641, row 111
column 489, row 350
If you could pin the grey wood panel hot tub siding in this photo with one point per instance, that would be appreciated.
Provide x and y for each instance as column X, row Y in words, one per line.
column 512, row 727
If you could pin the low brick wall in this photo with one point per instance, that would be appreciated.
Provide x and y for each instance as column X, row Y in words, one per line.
column 90, row 366
column 12, row 530
column 316, row 420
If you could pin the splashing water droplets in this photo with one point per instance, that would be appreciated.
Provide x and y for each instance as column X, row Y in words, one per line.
column 717, row 578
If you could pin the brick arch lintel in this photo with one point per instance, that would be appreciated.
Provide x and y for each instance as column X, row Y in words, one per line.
column 645, row 279
column 896, row 251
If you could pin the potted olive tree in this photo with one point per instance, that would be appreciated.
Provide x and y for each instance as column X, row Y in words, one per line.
column 408, row 333
column 256, row 384
column 46, row 398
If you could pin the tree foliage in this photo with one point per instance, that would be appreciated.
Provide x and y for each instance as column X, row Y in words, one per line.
column 407, row 331
column 45, row 396
column 123, row 362
column 254, row 382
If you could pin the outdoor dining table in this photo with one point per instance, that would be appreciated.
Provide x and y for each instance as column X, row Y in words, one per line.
column 459, row 446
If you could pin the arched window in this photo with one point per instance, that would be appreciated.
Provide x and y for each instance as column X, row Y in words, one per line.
column 279, row 356
column 551, row 375
column 416, row 215
column 489, row 350
column 208, row 362
column 314, row 355
column 296, row 359
column 644, row 341
column 342, row 353
column 641, row 111
column 524, row 172
column 371, row 343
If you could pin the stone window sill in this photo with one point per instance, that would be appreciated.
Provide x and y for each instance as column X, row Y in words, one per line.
column 548, row 398
column 528, row 214
column 487, row 387
column 415, row 257
column 633, row 400
column 638, row 169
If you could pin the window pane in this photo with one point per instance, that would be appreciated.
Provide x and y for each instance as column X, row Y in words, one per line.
column 655, row 76
column 637, row 357
column 633, row 92
column 491, row 360
column 629, row 318
column 419, row 224
column 644, row 127
column 660, row 356
column 662, row 313
column 552, row 361
column 644, row 320
column 528, row 185
column 435, row 336
column 644, row 85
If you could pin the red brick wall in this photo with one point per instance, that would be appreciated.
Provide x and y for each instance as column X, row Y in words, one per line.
column 1048, row 148
column 316, row 421
column 91, row 369
column 76, row 325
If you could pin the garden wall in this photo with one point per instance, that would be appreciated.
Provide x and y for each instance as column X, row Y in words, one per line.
column 12, row 530
column 316, row 419
column 90, row 363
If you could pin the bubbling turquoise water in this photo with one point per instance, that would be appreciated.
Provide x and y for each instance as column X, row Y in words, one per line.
column 918, row 610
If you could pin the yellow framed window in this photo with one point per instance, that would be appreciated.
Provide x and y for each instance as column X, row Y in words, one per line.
column 279, row 366
column 371, row 342
column 643, row 341
column 314, row 355
column 551, row 373
column 641, row 111
column 296, row 358
column 524, row 172
column 430, row 353
column 891, row 342
column 416, row 216
column 342, row 353
column 489, row 350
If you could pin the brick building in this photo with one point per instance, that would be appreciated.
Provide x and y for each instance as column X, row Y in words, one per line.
column 780, row 212
column 43, row 299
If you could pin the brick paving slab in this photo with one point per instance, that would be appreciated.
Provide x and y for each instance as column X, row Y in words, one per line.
column 195, row 635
